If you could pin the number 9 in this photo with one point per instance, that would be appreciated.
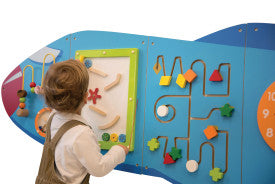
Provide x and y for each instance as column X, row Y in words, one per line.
column 266, row 113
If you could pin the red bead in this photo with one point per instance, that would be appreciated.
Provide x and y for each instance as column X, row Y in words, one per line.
column 32, row 84
column 216, row 76
column 168, row 159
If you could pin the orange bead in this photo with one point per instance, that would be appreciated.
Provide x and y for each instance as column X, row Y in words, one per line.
column 210, row 132
column 190, row 75
column 22, row 105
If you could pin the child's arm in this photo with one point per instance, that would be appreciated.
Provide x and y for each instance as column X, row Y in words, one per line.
column 87, row 151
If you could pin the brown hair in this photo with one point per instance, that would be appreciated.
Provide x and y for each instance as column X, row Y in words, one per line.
column 65, row 85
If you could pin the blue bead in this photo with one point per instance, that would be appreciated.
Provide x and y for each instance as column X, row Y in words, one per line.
column 88, row 63
column 122, row 138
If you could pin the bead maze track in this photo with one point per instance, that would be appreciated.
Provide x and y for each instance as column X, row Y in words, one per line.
column 190, row 76
column 205, row 121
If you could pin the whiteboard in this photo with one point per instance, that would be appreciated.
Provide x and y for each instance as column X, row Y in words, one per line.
column 120, row 100
column 114, row 101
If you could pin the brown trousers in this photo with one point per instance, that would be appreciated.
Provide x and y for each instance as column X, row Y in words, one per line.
column 47, row 173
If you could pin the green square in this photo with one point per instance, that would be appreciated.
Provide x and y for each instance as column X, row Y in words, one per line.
column 132, row 53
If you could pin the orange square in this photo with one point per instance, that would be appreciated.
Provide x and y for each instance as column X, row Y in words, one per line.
column 210, row 132
column 190, row 75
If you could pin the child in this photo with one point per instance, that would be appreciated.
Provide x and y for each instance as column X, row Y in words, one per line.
column 71, row 152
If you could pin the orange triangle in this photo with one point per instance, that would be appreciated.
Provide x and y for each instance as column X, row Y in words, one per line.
column 216, row 76
column 168, row 159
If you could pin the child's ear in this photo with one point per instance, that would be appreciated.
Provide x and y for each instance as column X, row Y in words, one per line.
column 86, row 97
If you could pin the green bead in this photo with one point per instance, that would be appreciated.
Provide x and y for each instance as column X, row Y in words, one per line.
column 105, row 137
column 153, row 144
column 22, row 100
column 32, row 89
column 175, row 153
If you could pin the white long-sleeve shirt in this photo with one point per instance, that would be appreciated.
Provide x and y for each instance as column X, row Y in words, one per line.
column 78, row 153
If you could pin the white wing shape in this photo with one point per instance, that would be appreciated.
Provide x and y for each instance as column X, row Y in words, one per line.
column 39, row 55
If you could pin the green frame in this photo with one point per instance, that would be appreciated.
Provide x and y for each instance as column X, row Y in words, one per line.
column 132, row 53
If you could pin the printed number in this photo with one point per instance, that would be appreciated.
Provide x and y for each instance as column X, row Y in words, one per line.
column 266, row 113
column 269, row 132
column 271, row 96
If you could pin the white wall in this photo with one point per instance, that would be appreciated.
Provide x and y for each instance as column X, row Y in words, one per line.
column 28, row 25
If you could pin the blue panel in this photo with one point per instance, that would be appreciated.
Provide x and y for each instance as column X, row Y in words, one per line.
column 234, row 36
column 212, row 55
column 258, row 157
column 92, row 40
column 261, row 36
column 34, row 102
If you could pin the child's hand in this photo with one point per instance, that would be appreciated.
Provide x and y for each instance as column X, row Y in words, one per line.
column 125, row 148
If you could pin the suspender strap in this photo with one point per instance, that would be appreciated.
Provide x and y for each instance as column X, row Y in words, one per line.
column 64, row 128
column 48, row 129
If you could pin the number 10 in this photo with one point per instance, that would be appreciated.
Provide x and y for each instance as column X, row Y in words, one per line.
column 271, row 96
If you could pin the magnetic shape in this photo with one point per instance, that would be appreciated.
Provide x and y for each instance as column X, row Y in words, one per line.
column 122, row 138
column 153, row 144
column 216, row 76
column 168, row 159
column 81, row 58
column 210, row 132
column 114, row 83
column 114, row 137
column 190, row 75
column 157, row 68
column 226, row 110
column 192, row 166
column 109, row 125
column 175, row 153
column 165, row 80
column 98, row 72
column 93, row 95
column 216, row 174
column 181, row 81
column 88, row 63
column 162, row 111
column 97, row 110
column 105, row 137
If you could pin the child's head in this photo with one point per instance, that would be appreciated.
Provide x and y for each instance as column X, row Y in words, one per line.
column 65, row 86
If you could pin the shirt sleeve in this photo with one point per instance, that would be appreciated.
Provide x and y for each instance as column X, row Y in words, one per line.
column 87, row 151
